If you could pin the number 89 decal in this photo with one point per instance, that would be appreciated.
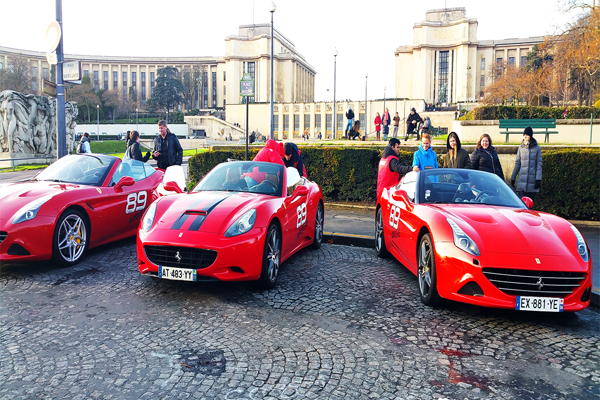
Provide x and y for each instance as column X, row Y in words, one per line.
column 301, row 212
column 394, row 217
column 136, row 202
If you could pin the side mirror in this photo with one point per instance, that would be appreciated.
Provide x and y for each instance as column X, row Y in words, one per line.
column 300, row 191
column 400, row 195
column 528, row 202
column 172, row 186
column 124, row 181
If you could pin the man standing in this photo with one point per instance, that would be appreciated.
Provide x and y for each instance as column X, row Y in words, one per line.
column 167, row 150
column 396, row 124
column 386, row 120
column 411, row 123
column 390, row 167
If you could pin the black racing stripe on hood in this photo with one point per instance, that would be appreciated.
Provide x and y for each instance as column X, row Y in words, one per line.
column 183, row 217
column 195, row 226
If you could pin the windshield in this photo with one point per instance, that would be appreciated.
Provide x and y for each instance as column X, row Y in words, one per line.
column 465, row 186
column 80, row 169
column 244, row 176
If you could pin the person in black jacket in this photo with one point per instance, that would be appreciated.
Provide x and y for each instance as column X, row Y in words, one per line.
column 485, row 158
column 134, row 147
column 293, row 158
column 411, row 123
column 167, row 149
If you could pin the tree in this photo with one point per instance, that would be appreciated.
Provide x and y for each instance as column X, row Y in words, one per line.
column 167, row 92
column 110, row 101
column 190, row 81
column 84, row 95
column 17, row 76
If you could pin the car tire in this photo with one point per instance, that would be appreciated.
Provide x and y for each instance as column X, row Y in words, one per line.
column 71, row 238
column 426, row 272
column 380, row 235
column 319, row 218
column 271, row 258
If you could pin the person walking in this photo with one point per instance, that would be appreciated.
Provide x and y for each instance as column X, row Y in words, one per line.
column 396, row 124
column 485, row 157
column 528, row 165
column 425, row 157
column 378, row 126
column 167, row 149
column 84, row 144
column 411, row 123
column 133, row 150
column 390, row 168
column 350, row 118
column 386, row 120
column 456, row 157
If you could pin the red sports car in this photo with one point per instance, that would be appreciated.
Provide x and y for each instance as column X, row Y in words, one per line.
column 469, row 238
column 79, row 202
column 239, row 223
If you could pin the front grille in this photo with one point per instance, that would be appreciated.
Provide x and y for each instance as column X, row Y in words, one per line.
column 518, row 282
column 3, row 236
column 167, row 256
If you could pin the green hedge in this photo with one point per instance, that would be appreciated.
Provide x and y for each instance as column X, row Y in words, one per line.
column 570, row 186
column 530, row 112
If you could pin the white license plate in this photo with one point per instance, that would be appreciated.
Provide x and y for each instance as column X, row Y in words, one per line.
column 529, row 303
column 177, row 274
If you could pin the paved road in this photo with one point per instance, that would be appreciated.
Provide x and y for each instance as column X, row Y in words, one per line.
column 341, row 324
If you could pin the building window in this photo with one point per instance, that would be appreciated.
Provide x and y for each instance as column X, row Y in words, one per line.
column 105, row 79
column 296, row 125
column 511, row 61
column 124, row 84
column 252, row 72
column 1, row 65
column 317, row 123
column 443, row 78
column 483, row 64
column 523, row 61
column 275, row 123
column 34, row 80
column 362, row 122
column 115, row 79
column 482, row 81
column 143, row 87
column 224, row 90
column 286, row 123
column 499, row 62
column 134, row 83
column 214, row 89
column 224, row 77
column 339, row 126
column 205, row 90
column 86, row 72
column 96, row 80
column 44, row 72
column 152, row 83
column 328, row 123
column 307, row 122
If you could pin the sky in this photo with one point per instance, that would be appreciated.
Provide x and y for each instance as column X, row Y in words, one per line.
column 365, row 33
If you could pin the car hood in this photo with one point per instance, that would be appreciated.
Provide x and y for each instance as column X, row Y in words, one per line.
column 13, row 196
column 205, row 211
column 516, row 231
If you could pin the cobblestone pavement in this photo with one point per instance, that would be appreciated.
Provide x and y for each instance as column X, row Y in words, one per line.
column 341, row 324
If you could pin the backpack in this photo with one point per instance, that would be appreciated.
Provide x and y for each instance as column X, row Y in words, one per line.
column 127, row 155
column 80, row 147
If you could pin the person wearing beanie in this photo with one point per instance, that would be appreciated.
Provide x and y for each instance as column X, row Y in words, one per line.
column 528, row 166
column 411, row 123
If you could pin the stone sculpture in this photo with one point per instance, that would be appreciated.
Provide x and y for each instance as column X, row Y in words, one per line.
column 28, row 124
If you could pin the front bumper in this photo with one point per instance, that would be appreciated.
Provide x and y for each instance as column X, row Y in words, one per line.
column 27, row 241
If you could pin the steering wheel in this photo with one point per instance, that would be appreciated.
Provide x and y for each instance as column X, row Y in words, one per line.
column 463, row 188
column 273, row 185
column 483, row 193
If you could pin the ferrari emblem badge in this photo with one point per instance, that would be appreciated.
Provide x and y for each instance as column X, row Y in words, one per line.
column 180, row 234
column 99, row 190
column 537, row 260
column 178, row 257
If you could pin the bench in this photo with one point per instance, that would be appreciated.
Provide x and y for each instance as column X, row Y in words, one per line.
column 521, row 124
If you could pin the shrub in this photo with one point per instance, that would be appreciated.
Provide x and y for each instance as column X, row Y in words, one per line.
column 530, row 112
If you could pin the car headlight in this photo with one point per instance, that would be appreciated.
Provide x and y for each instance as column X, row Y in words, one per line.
column 242, row 225
column 30, row 210
column 148, row 219
column 581, row 246
column 462, row 240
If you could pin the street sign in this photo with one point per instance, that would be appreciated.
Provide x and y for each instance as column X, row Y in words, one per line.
column 247, row 86
column 72, row 71
column 52, row 37
column 51, row 58
column 49, row 88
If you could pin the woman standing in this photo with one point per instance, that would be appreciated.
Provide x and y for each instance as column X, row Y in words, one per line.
column 528, row 165
column 134, row 148
column 456, row 157
column 485, row 158
column 378, row 126
column 425, row 157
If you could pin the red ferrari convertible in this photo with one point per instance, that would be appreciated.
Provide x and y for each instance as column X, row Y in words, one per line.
column 79, row 202
column 240, row 222
column 467, row 237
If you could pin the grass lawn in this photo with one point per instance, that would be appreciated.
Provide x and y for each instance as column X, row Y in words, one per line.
column 24, row 167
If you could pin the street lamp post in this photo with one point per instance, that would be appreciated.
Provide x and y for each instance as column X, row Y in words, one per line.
column 366, row 115
column 384, row 98
column 272, row 8
column 467, row 85
column 98, row 120
column 335, row 53
column 136, row 121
